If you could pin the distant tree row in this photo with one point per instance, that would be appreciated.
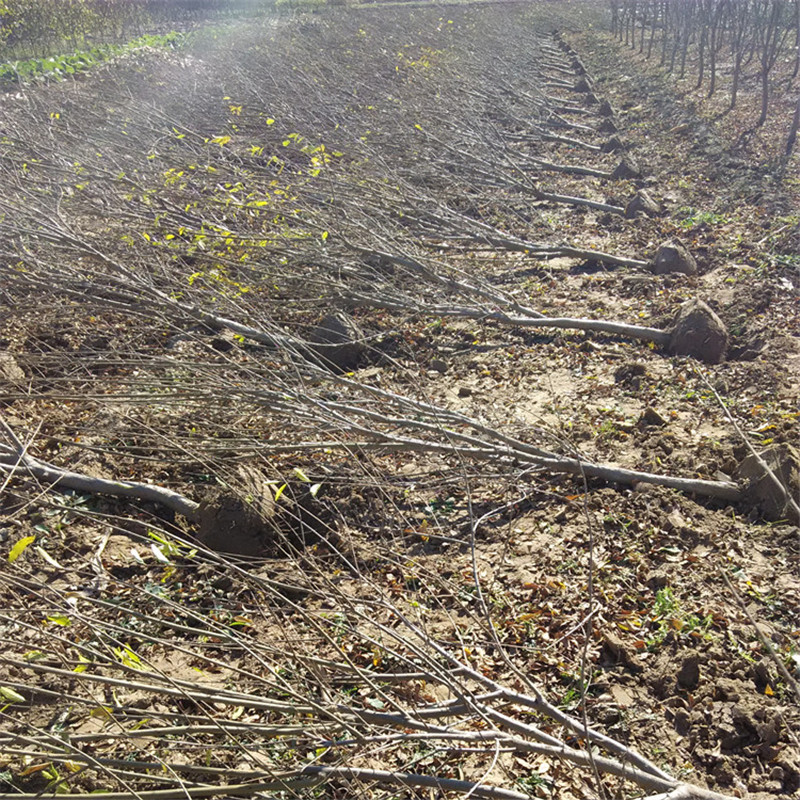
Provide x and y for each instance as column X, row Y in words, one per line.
column 737, row 39
column 42, row 27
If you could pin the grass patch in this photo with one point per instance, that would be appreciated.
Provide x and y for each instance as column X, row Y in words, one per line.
column 65, row 64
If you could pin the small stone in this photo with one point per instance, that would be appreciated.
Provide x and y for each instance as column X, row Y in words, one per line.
column 657, row 579
column 675, row 521
column 608, row 715
column 464, row 391
column 642, row 203
column 723, row 773
column 727, row 690
column 769, row 731
column 651, row 417
column 630, row 374
column 673, row 256
column 761, row 675
column 681, row 722
column 438, row 365
column 698, row 332
column 615, row 651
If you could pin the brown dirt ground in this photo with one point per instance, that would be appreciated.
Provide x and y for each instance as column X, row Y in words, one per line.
column 677, row 669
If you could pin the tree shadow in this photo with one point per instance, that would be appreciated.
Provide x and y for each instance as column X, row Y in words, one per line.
column 722, row 114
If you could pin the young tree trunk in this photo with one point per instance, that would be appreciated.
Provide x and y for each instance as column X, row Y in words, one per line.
column 645, row 9
column 676, row 41
column 793, row 130
column 632, row 29
column 701, row 56
column 764, row 98
column 686, row 34
column 714, row 35
column 737, row 71
column 653, row 25
column 796, row 70
column 738, row 46
column 614, row 5
column 771, row 36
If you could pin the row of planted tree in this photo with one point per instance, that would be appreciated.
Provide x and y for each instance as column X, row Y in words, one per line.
column 727, row 42
column 41, row 27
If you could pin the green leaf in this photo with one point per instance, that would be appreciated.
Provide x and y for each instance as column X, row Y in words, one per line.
column 34, row 655
column 11, row 695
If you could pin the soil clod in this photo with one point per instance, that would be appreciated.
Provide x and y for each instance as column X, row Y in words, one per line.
column 626, row 170
column 338, row 342
column 783, row 461
column 10, row 371
column 673, row 256
column 605, row 109
column 642, row 204
column 689, row 673
column 699, row 332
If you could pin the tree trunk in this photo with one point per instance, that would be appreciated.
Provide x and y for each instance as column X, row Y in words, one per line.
column 653, row 22
column 796, row 70
column 793, row 130
column 764, row 97
column 644, row 28
column 737, row 70
column 701, row 57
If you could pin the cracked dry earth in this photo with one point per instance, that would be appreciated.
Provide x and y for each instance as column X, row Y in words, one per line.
column 646, row 607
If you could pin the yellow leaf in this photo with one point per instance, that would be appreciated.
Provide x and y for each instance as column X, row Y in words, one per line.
column 83, row 665
column 35, row 768
column 19, row 548
column 280, row 492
